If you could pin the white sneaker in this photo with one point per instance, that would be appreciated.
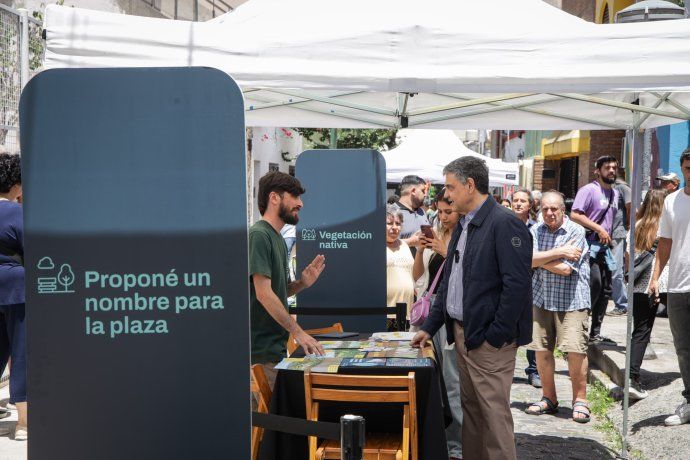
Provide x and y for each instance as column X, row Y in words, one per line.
column 21, row 433
column 681, row 416
column 636, row 391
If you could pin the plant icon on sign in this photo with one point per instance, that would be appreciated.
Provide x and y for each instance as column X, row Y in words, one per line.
column 308, row 234
column 48, row 282
column 66, row 277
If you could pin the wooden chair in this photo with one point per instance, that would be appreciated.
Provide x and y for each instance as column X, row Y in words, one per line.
column 369, row 389
column 292, row 344
column 262, row 391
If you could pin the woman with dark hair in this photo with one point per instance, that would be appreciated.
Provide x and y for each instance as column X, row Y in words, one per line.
column 13, row 335
column 428, row 261
column 645, row 306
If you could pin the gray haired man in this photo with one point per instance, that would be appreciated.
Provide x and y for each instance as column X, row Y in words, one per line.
column 485, row 301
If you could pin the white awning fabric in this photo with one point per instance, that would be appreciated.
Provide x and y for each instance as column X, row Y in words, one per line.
column 494, row 64
column 425, row 152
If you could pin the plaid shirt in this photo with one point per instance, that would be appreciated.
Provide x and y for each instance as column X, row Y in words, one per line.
column 556, row 292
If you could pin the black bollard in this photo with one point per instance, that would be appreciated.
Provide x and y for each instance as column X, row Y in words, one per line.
column 351, row 437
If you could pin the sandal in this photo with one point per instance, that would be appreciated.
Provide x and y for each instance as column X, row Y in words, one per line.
column 588, row 413
column 548, row 408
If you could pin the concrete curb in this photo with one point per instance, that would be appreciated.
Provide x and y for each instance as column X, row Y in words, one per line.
column 607, row 358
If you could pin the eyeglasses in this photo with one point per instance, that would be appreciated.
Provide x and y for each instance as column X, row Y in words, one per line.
column 456, row 256
column 552, row 209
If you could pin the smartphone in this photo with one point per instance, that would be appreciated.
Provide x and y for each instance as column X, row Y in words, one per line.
column 427, row 232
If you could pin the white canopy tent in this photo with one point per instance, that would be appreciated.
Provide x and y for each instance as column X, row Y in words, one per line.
column 425, row 152
column 494, row 64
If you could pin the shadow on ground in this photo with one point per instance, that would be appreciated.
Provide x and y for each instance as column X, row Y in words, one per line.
column 552, row 447
column 657, row 420
column 7, row 428
column 654, row 380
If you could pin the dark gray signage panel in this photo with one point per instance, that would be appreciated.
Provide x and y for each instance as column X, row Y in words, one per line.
column 344, row 218
column 136, row 264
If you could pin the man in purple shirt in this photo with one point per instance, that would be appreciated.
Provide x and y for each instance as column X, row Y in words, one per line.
column 594, row 208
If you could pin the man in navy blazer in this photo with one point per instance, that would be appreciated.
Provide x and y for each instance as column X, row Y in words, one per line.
column 485, row 301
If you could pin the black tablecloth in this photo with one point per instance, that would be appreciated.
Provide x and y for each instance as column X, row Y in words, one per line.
column 432, row 413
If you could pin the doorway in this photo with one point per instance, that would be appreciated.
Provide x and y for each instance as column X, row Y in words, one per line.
column 567, row 183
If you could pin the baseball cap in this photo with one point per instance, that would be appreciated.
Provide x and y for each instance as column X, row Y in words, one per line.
column 673, row 177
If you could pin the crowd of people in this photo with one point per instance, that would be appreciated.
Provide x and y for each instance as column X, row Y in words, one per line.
column 578, row 264
column 533, row 269
column 521, row 271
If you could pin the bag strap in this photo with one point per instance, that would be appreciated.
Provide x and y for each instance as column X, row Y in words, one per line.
column 652, row 250
column 603, row 216
column 438, row 275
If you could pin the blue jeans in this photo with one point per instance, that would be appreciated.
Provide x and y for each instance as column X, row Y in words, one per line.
column 13, row 345
column 451, row 377
column 619, row 293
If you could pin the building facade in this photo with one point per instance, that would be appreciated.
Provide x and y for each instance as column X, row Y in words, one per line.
column 189, row 10
column 564, row 160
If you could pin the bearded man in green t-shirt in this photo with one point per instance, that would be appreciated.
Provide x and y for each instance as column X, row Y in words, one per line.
column 271, row 323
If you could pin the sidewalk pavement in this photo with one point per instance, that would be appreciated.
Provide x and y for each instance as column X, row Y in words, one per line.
column 660, row 377
column 552, row 436
column 9, row 448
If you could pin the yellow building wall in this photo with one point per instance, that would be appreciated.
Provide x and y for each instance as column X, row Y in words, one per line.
column 614, row 7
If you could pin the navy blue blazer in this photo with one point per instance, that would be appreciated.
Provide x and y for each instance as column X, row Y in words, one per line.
column 496, row 281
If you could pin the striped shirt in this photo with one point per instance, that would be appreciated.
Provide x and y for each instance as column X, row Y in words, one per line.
column 557, row 292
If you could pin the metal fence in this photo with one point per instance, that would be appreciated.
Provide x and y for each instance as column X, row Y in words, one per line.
column 21, row 56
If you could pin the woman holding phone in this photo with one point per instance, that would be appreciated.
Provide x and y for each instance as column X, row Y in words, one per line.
column 428, row 261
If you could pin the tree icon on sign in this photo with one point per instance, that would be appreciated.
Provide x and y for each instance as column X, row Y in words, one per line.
column 66, row 277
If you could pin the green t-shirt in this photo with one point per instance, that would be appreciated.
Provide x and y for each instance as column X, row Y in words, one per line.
column 267, row 256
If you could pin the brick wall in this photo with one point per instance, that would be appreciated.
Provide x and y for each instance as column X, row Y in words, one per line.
column 582, row 172
column 584, row 9
column 537, row 174
column 609, row 142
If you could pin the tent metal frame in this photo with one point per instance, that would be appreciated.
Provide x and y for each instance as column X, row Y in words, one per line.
column 403, row 118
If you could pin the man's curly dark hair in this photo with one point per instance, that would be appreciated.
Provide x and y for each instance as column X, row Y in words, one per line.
column 10, row 171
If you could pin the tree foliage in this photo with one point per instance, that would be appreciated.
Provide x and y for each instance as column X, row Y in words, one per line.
column 377, row 139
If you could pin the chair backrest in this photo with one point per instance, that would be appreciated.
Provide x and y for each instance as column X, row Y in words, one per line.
column 368, row 389
column 261, row 390
column 292, row 344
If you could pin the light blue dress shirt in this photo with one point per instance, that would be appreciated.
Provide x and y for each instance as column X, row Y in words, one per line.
column 454, row 296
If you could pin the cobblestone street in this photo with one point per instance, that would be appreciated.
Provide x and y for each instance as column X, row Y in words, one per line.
column 552, row 436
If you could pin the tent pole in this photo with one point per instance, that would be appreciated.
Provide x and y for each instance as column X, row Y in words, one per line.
column 334, row 138
column 634, row 142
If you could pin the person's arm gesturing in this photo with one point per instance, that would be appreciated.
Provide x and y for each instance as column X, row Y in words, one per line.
column 275, row 308
column 309, row 275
